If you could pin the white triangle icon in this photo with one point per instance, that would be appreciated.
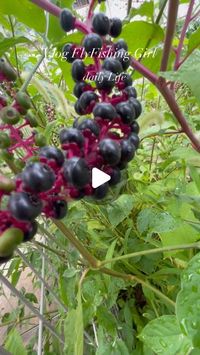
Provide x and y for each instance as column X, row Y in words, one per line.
column 99, row 178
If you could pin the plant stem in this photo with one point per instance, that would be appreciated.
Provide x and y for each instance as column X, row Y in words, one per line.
column 171, row 26
column 183, row 33
column 31, row 74
column 60, row 255
column 77, row 244
column 15, row 322
column 91, row 7
column 152, row 251
column 48, row 6
column 15, row 49
column 129, row 5
column 129, row 277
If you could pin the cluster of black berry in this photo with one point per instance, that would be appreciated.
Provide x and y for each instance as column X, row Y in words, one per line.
column 108, row 141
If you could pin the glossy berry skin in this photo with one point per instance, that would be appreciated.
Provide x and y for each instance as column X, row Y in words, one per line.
column 115, row 177
column 79, row 88
column 25, row 207
column 78, row 70
column 38, row 177
column 67, row 20
column 86, row 98
column 52, row 153
column 89, row 124
column 60, row 209
column 134, row 139
column 76, row 172
column 29, row 234
column 137, row 106
column 92, row 43
column 121, row 44
column 105, row 111
column 131, row 92
column 113, row 65
column 115, row 27
column 126, row 112
column 78, row 108
column 23, row 100
column 127, row 150
column 126, row 79
column 31, row 119
column 68, row 52
column 101, row 191
column 124, row 58
column 101, row 24
column 71, row 135
column 110, row 151
column 135, row 128
column 105, row 80
column 9, row 115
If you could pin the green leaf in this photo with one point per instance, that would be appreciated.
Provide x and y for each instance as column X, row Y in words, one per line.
column 26, row 12
column 14, row 343
column 120, row 209
column 143, row 32
column 31, row 297
column 150, row 220
column 194, row 40
column 146, row 9
column 163, row 335
column 8, row 43
column 188, row 73
column 73, row 329
column 188, row 302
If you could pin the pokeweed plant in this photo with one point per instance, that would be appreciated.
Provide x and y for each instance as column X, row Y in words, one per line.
column 120, row 281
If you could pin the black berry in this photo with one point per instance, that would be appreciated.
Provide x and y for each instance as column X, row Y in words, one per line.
column 110, row 151
column 53, row 153
column 79, row 88
column 127, row 150
column 137, row 106
column 89, row 124
column 115, row 27
column 134, row 139
column 24, row 206
column 135, row 127
column 92, row 43
column 60, row 209
column 126, row 112
column 78, row 70
column 115, row 176
column 67, row 20
column 131, row 91
column 68, row 52
column 121, row 44
column 86, row 99
column 71, row 135
column 76, row 172
column 105, row 80
column 38, row 177
column 124, row 58
column 101, row 191
column 101, row 24
column 105, row 111
column 113, row 65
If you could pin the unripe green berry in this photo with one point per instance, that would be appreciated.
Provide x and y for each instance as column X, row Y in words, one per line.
column 4, row 140
column 9, row 115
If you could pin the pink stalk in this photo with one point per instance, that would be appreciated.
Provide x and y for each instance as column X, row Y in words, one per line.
column 183, row 33
column 48, row 6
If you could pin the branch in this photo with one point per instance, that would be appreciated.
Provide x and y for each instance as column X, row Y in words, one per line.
column 171, row 26
column 183, row 33
column 48, row 6
column 32, row 73
column 91, row 7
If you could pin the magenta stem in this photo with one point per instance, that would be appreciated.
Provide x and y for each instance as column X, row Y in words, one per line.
column 48, row 6
column 90, row 11
column 183, row 33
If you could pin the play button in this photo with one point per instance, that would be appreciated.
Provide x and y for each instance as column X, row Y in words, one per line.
column 99, row 178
